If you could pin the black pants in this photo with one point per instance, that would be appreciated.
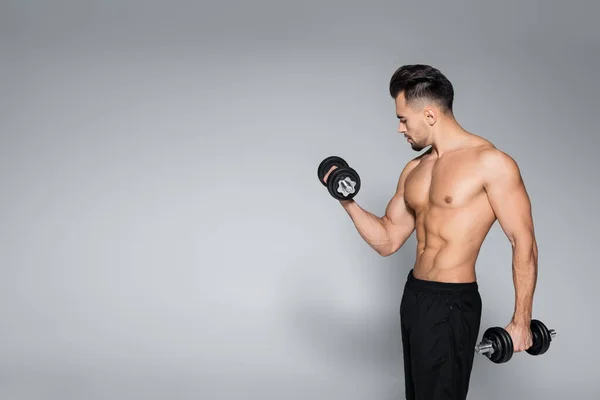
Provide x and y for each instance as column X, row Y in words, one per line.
column 440, row 324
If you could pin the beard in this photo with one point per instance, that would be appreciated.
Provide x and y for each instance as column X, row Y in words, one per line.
column 421, row 131
column 416, row 147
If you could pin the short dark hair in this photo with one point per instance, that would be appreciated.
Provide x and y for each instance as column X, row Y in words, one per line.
column 420, row 82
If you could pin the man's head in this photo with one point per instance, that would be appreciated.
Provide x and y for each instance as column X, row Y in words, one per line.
column 423, row 97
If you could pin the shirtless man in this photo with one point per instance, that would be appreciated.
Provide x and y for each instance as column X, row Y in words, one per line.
column 451, row 195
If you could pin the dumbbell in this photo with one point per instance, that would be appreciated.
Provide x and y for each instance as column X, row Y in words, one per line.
column 498, row 346
column 343, row 183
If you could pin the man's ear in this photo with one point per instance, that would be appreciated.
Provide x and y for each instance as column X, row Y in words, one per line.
column 431, row 115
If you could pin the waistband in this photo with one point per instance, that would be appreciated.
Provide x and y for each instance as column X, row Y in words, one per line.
column 446, row 287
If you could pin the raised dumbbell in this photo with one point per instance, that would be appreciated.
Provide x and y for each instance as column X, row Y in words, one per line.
column 343, row 183
column 498, row 346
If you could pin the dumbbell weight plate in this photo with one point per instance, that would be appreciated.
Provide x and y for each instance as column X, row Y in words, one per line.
column 541, row 338
column 326, row 164
column 338, row 175
column 509, row 345
column 502, row 343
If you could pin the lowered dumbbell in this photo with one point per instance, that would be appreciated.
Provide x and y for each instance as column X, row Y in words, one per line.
column 343, row 183
column 498, row 346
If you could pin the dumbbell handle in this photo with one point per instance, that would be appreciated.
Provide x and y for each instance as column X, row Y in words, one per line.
column 486, row 346
column 346, row 186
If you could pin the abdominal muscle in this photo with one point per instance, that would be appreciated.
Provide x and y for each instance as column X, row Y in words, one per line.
column 449, row 241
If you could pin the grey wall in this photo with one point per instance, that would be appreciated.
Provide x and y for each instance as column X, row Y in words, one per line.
column 164, row 235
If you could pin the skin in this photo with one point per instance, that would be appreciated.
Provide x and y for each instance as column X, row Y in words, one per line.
column 451, row 195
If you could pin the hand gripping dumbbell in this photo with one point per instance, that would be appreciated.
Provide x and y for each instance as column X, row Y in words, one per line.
column 498, row 346
column 343, row 183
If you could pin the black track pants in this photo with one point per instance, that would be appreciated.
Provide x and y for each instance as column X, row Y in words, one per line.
column 440, row 324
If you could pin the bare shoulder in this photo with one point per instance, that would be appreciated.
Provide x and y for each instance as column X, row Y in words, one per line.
column 497, row 165
column 412, row 164
column 409, row 167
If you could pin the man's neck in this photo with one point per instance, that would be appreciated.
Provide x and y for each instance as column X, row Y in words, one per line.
column 447, row 137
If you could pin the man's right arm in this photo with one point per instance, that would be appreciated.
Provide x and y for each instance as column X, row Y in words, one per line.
column 388, row 233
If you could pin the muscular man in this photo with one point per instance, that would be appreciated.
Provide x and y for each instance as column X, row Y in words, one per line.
column 451, row 195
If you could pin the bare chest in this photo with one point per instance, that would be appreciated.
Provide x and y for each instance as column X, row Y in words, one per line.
column 443, row 184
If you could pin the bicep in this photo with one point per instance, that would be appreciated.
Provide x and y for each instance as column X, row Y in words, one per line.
column 399, row 218
column 508, row 197
column 398, row 214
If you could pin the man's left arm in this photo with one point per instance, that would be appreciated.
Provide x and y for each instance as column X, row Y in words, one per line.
column 510, row 202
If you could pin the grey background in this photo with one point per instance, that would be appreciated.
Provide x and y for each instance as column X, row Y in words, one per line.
column 164, row 235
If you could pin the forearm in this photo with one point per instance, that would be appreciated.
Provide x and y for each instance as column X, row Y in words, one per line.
column 370, row 227
column 525, row 267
